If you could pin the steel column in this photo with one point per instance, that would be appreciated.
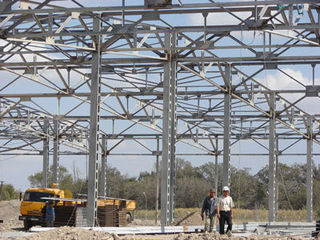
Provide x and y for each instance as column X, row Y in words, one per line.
column 173, row 126
column 272, row 165
column 103, row 190
column 157, row 182
column 216, row 170
column 309, row 171
column 166, row 138
column 227, row 129
column 45, row 153
column 94, row 129
column 277, row 180
column 56, row 152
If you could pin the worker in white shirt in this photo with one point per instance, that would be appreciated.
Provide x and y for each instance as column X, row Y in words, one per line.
column 225, row 210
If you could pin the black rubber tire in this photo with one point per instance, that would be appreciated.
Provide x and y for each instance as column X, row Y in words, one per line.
column 129, row 218
column 27, row 224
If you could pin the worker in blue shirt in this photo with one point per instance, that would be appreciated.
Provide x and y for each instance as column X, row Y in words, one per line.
column 209, row 210
column 50, row 214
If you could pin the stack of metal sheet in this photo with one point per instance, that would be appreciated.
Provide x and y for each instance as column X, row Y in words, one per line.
column 317, row 231
column 65, row 216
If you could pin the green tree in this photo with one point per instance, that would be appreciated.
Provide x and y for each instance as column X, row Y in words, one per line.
column 142, row 189
column 292, row 186
column 115, row 182
column 190, row 191
column 193, row 183
column 208, row 171
column 8, row 192
column 243, row 188
column 184, row 168
column 65, row 178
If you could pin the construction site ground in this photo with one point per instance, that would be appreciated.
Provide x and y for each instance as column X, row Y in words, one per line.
column 12, row 228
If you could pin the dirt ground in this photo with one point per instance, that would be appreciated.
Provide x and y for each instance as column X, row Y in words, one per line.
column 9, row 213
column 69, row 233
column 191, row 219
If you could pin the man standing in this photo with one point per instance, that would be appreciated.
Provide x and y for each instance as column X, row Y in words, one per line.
column 50, row 215
column 225, row 210
column 43, row 212
column 210, row 208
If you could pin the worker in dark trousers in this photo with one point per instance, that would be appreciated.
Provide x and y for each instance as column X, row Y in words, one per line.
column 225, row 211
column 50, row 214
column 210, row 209
column 44, row 213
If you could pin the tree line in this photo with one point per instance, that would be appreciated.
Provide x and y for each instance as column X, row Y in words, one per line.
column 8, row 192
column 249, row 191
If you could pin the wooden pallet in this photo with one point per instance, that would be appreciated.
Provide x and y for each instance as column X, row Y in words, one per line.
column 112, row 216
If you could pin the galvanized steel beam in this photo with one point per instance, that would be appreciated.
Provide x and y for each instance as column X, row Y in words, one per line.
column 166, row 138
column 227, row 128
column 45, row 154
column 309, row 184
column 272, row 165
column 173, row 127
column 94, row 130
column 104, row 155
column 56, row 152
column 157, row 182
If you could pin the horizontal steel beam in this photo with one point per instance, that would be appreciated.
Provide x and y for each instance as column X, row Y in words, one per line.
column 138, row 9
column 154, row 154
column 190, row 29
column 195, row 117
column 245, row 136
column 142, row 93
column 244, row 61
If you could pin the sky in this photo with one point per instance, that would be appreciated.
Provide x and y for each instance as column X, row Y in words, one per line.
column 16, row 169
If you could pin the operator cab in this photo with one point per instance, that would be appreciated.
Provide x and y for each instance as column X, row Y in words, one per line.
column 36, row 196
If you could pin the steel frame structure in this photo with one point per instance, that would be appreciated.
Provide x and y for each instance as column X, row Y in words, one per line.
column 74, row 74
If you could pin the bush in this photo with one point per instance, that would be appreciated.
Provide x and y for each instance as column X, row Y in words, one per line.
column 8, row 192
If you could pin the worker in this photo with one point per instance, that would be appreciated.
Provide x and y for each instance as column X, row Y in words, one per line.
column 50, row 214
column 43, row 212
column 210, row 209
column 225, row 211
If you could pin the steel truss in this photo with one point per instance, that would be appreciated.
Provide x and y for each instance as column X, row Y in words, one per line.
column 111, row 74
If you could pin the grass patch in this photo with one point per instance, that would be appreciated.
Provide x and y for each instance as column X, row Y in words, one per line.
column 240, row 215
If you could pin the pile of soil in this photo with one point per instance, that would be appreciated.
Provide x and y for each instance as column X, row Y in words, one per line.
column 208, row 236
column 69, row 233
column 217, row 236
column 9, row 213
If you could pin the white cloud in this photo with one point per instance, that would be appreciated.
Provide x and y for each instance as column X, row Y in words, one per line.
column 217, row 18
column 223, row 19
column 280, row 81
